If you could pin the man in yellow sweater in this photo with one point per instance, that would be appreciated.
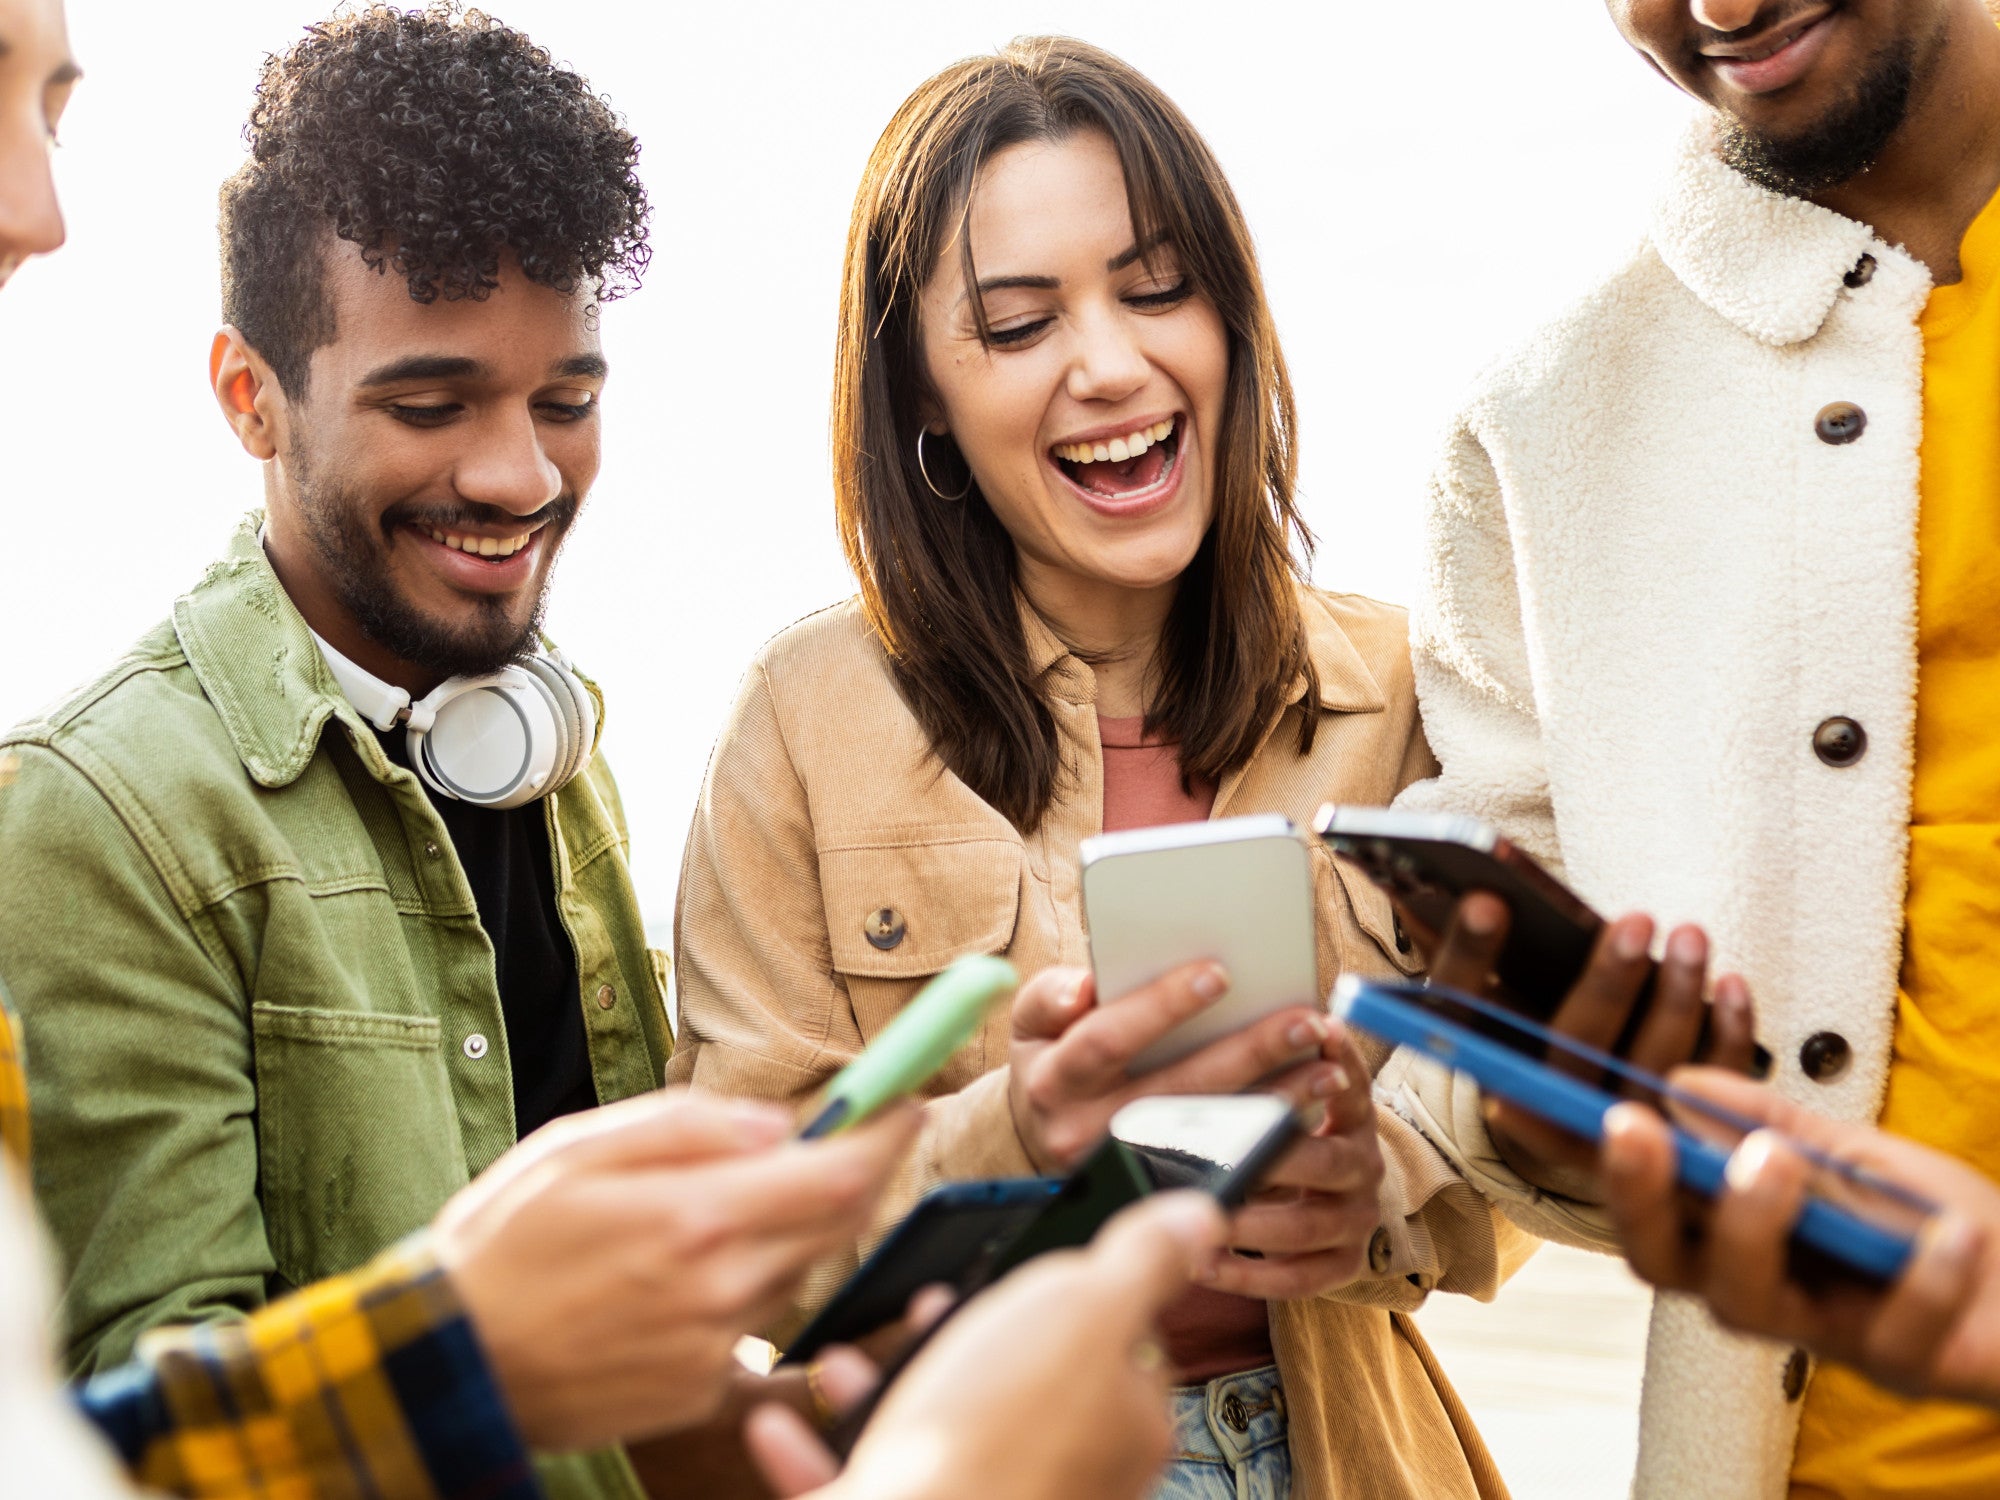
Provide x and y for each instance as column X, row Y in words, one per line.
column 1712, row 624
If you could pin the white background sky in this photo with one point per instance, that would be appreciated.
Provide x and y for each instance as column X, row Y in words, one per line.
column 1425, row 184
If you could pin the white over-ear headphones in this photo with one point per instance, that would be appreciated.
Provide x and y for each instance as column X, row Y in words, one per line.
column 499, row 740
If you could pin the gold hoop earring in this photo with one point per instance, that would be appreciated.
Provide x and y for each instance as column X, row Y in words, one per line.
column 929, row 483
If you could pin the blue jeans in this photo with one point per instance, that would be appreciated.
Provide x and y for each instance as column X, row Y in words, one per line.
column 1230, row 1440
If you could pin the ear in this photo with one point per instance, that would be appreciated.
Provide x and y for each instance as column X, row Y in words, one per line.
column 248, row 393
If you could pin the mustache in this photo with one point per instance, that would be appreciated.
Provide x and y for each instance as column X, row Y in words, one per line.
column 557, row 514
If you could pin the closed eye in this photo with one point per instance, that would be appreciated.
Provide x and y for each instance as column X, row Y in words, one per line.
column 1165, row 297
column 425, row 416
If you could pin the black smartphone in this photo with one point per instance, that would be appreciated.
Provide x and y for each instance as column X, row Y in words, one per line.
column 951, row 1237
column 1428, row 861
column 1218, row 1144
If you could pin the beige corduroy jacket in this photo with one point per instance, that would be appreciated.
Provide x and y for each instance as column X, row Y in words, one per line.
column 824, row 807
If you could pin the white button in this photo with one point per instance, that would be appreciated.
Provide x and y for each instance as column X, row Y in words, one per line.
column 475, row 1046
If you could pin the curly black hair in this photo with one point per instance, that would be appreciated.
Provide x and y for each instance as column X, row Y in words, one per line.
column 435, row 140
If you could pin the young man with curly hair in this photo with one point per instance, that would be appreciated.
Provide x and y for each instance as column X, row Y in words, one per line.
column 283, row 999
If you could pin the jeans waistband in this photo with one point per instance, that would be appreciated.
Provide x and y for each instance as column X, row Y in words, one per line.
column 1231, row 1417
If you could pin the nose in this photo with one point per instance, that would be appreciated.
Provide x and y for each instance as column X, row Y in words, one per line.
column 31, row 221
column 507, row 466
column 1108, row 363
column 1725, row 15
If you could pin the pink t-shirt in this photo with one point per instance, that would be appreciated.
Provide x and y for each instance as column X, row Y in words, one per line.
column 1207, row 1333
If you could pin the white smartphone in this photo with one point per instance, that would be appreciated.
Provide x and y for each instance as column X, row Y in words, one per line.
column 1236, row 890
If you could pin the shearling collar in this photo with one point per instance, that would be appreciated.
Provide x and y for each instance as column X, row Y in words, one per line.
column 1770, row 264
column 1345, row 683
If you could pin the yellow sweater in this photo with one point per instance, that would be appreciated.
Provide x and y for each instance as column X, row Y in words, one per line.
column 1856, row 1441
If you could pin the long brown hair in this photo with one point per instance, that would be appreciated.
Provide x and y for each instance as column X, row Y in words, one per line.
column 938, row 579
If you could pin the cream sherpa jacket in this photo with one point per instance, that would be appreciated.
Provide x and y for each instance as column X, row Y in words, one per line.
column 1650, row 580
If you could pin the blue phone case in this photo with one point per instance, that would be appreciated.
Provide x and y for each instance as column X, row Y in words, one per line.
column 1874, row 1252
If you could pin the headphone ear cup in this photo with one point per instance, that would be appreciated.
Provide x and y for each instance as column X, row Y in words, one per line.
column 579, row 712
column 494, row 741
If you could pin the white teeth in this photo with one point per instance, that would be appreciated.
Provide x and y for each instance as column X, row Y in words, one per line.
column 1119, row 449
column 479, row 546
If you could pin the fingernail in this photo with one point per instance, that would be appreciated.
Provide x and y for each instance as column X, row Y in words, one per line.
column 1309, row 1032
column 1954, row 1243
column 1631, row 937
column 1688, row 946
column 1209, row 981
column 1075, row 995
column 1330, row 1081
column 1479, row 918
column 1748, row 1161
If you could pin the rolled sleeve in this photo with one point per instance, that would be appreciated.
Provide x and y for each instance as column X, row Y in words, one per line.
column 372, row 1383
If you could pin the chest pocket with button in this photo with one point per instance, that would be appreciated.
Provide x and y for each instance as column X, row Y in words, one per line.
column 358, row 1142
column 1372, row 940
column 896, row 914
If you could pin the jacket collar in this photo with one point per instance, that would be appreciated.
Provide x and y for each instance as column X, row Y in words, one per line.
column 258, row 664
column 1771, row 265
column 1345, row 683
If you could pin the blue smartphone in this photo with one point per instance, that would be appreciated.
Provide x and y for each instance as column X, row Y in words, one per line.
column 951, row 1236
column 1409, row 1015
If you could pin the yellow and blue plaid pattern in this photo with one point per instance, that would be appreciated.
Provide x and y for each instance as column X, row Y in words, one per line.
column 364, row 1387
column 368, row 1385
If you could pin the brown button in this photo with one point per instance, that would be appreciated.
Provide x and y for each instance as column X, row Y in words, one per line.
column 1863, row 272
column 1796, row 1370
column 606, row 997
column 1379, row 1251
column 1840, row 742
column 1842, row 422
column 885, row 928
column 1824, row 1056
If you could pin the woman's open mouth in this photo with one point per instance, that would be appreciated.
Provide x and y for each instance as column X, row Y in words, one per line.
column 1129, row 472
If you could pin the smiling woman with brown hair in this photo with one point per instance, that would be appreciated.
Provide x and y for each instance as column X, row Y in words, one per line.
column 1064, row 475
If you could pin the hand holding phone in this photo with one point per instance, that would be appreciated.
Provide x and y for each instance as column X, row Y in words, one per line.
column 1681, row 1027
column 1855, row 1224
column 1070, row 1057
column 1548, row 945
column 1220, row 1146
column 1063, row 1351
column 1934, row 1332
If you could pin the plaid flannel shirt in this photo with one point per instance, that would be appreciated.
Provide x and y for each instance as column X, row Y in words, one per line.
column 369, row 1386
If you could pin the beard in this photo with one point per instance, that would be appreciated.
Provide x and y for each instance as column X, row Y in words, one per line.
column 1848, row 139
column 351, row 549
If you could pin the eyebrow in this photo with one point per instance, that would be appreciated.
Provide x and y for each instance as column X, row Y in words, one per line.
column 425, row 367
column 1117, row 262
column 459, row 367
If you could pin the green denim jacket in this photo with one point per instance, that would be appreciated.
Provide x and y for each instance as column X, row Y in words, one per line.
column 251, row 975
